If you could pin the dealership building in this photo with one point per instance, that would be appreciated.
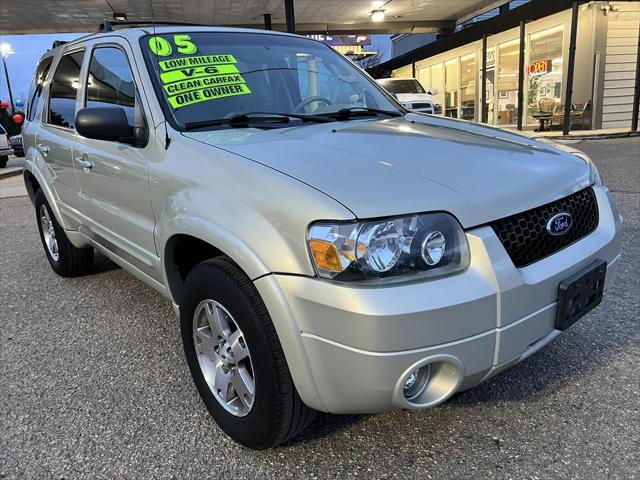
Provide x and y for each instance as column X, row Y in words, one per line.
column 519, row 65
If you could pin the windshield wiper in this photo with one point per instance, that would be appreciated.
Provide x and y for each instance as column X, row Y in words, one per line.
column 243, row 120
column 351, row 112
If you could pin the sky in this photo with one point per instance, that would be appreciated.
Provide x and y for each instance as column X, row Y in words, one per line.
column 29, row 48
column 21, row 65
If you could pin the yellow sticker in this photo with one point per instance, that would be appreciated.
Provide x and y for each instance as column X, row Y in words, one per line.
column 204, row 60
column 198, row 83
column 210, row 93
column 197, row 72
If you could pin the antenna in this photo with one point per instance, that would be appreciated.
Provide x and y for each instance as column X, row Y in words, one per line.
column 167, row 139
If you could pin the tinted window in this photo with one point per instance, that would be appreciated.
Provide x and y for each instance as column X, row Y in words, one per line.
column 62, row 100
column 110, row 81
column 35, row 95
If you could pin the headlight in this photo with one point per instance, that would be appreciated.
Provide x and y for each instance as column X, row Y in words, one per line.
column 594, row 174
column 393, row 249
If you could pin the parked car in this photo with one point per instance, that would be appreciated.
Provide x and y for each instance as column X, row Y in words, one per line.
column 324, row 248
column 5, row 147
column 412, row 95
column 16, row 144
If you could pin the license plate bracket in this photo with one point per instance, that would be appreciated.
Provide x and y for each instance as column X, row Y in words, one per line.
column 580, row 293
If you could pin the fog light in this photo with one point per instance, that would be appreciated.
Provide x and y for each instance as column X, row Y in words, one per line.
column 411, row 380
column 416, row 382
column 433, row 248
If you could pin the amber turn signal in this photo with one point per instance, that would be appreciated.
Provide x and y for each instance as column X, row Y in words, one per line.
column 326, row 255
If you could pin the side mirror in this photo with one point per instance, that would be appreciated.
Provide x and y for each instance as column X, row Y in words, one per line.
column 433, row 91
column 109, row 123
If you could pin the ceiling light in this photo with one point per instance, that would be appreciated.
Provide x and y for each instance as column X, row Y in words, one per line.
column 120, row 17
column 378, row 4
column 377, row 15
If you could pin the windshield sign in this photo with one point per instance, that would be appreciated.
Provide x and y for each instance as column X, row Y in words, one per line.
column 206, row 76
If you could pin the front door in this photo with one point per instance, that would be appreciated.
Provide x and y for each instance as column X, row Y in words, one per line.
column 113, row 176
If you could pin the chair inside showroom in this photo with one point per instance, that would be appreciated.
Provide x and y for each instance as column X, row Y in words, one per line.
column 546, row 108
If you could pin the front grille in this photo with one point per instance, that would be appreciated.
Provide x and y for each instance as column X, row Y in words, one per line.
column 525, row 236
column 421, row 105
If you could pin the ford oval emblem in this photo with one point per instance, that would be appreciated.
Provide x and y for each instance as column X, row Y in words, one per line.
column 559, row 224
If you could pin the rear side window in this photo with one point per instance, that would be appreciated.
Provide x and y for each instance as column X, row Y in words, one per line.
column 64, row 89
column 110, row 82
column 35, row 95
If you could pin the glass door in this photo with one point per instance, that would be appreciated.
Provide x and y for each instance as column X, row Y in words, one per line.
column 507, row 104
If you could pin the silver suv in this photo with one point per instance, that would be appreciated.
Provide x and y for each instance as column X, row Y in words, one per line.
column 324, row 248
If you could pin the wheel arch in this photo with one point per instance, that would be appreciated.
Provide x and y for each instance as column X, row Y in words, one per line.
column 198, row 240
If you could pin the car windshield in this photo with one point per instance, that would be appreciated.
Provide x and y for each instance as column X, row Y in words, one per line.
column 402, row 86
column 203, row 76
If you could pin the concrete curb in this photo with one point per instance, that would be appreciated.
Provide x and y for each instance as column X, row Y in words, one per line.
column 595, row 136
column 10, row 172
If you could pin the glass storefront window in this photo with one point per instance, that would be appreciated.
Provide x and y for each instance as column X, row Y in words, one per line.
column 451, row 88
column 437, row 81
column 424, row 77
column 468, row 87
column 404, row 72
column 544, row 72
column 507, row 105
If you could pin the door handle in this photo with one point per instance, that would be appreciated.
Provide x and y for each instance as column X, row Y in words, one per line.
column 84, row 162
column 43, row 149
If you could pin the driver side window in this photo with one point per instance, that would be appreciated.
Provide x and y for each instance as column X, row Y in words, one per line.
column 110, row 81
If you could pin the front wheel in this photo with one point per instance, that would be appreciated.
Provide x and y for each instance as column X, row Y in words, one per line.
column 3, row 161
column 236, row 359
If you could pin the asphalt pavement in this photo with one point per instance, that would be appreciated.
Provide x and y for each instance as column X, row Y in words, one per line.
column 93, row 384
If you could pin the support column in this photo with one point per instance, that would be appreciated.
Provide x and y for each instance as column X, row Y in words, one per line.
column 570, row 69
column 290, row 16
column 413, row 69
column 267, row 21
column 6, row 73
column 636, row 92
column 483, row 101
column 521, row 75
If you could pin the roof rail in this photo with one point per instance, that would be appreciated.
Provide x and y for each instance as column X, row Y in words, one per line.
column 57, row 43
column 107, row 25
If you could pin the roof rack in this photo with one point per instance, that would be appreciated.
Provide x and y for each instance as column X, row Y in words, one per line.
column 107, row 25
column 57, row 43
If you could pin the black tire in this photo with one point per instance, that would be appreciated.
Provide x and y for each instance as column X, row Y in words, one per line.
column 72, row 261
column 3, row 161
column 278, row 414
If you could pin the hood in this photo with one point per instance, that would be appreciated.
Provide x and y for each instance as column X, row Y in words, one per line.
column 415, row 97
column 412, row 164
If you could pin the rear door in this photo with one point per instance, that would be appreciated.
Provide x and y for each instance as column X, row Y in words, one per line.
column 113, row 176
column 35, row 101
column 54, row 138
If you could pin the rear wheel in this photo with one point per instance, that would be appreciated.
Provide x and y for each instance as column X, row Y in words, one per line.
column 236, row 359
column 65, row 259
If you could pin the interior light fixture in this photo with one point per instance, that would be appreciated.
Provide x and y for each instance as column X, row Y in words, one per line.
column 377, row 15
column 378, row 4
column 120, row 17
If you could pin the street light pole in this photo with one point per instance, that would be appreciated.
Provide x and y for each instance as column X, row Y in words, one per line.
column 5, row 52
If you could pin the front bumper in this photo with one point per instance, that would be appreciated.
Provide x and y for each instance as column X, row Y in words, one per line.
column 350, row 348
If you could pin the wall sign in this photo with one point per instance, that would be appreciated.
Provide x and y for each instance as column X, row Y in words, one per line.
column 541, row 67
